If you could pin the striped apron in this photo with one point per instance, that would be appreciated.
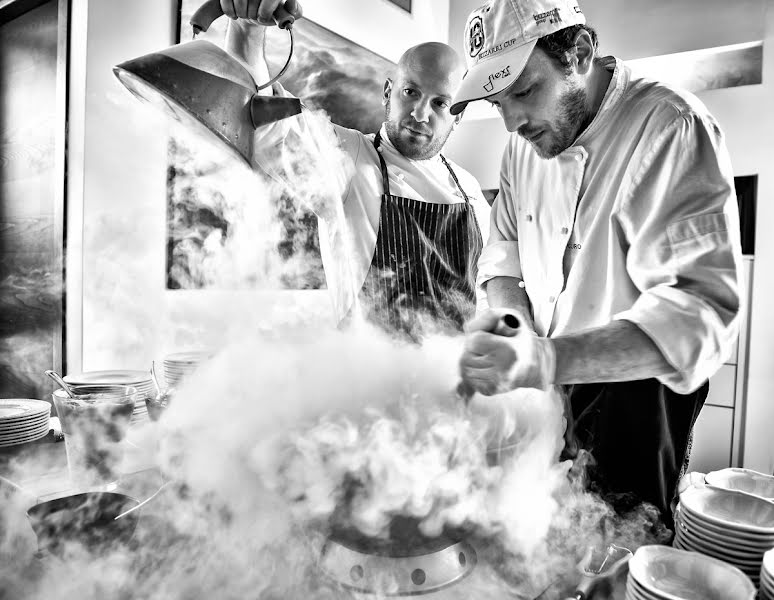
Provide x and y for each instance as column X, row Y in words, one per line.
column 423, row 272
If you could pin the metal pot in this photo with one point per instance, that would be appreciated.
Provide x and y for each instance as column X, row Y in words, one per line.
column 204, row 88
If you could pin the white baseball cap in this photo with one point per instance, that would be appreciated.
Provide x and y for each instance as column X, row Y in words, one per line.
column 499, row 38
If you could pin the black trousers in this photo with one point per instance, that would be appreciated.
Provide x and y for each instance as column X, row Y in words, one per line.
column 638, row 433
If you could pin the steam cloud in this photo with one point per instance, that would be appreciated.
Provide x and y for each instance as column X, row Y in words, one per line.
column 263, row 440
column 293, row 426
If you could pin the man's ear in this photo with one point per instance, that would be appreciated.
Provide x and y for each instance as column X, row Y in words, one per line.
column 584, row 51
column 387, row 91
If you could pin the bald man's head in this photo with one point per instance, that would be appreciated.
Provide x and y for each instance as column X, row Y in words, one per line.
column 418, row 98
column 435, row 56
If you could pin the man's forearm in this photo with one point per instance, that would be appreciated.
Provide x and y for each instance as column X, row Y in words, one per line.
column 619, row 351
column 505, row 292
column 245, row 42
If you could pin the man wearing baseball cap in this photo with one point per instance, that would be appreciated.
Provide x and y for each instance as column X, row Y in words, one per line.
column 614, row 238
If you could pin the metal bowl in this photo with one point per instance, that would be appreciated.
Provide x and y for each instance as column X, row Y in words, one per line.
column 86, row 519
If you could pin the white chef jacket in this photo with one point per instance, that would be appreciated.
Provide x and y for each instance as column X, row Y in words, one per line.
column 637, row 220
column 346, row 255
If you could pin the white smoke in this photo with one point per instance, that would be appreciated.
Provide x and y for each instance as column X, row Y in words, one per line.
column 262, row 442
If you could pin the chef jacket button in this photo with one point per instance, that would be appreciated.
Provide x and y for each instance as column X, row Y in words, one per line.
column 578, row 157
column 564, row 230
column 551, row 299
column 529, row 217
column 522, row 285
column 400, row 175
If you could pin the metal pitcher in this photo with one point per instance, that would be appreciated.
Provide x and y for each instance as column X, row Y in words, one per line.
column 205, row 88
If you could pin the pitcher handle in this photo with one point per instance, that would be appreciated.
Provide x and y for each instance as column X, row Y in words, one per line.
column 208, row 12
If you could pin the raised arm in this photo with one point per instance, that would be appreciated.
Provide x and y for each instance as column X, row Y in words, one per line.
column 246, row 41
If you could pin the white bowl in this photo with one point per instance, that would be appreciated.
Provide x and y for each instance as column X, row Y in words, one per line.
column 674, row 574
column 743, row 480
column 715, row 534
column 737, row 511
column 768, row 563
column 718, row 549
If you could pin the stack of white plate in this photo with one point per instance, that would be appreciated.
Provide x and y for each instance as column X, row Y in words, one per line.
column 731, row 526
column 179, row 365
column 141, row 380
column 664, row 573
column 22, row 421
column 743, row 480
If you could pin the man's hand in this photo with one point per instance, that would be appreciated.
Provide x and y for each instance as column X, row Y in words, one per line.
column 494, row 363
column 261, row 12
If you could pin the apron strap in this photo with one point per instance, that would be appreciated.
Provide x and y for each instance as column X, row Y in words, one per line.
column 385, row 176
column 454, row 177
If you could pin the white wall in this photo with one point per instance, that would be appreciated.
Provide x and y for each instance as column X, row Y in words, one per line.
column 645, row 28
column 119, row 314
column 381, row 26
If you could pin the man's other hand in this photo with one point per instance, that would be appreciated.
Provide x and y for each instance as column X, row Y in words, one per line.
column 493, row 363
column 261, row 12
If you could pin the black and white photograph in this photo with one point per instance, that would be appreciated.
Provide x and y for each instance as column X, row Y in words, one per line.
column 381, row 299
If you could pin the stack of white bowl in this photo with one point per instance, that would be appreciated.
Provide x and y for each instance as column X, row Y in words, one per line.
column 179, row 365
column 767, row 577
column 141, row 380
column 664, row 573
column 732, row 526
column 23, row 420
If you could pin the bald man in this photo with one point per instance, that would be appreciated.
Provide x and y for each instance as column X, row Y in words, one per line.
column 415, row 219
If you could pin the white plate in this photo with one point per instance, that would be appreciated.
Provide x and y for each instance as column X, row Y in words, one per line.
column 192, row 356
column 723, row 552
column 634, row 592
column 745, row 564
column 119, row 377
column 22, row 436
column 23, row 424
column 743, row 480
column 768, row 562
column 736, row 511
column 16, row 408
column 674, row 574
column 690, row 529
column 33, row 426
column 30, row 438
column 755, row 540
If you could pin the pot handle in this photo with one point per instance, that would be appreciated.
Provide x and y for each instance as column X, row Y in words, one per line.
column 208, row 12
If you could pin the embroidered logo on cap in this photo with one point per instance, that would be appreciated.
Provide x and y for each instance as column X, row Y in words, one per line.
column 552, row 16
column 476, row 33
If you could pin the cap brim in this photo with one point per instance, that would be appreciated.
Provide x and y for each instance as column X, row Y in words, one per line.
column 491, row 76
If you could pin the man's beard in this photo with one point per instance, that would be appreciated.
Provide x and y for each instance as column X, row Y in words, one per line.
column 412, row 151
column 572, row 116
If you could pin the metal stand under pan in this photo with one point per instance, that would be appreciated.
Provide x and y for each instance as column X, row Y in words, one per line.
column 404, row 565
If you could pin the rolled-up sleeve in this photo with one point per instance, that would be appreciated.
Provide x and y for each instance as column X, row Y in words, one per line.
column 500, row 256
column 681, row 221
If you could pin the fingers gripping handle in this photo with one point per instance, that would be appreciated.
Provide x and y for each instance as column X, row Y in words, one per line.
column 507, row 326
column 208, row 12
